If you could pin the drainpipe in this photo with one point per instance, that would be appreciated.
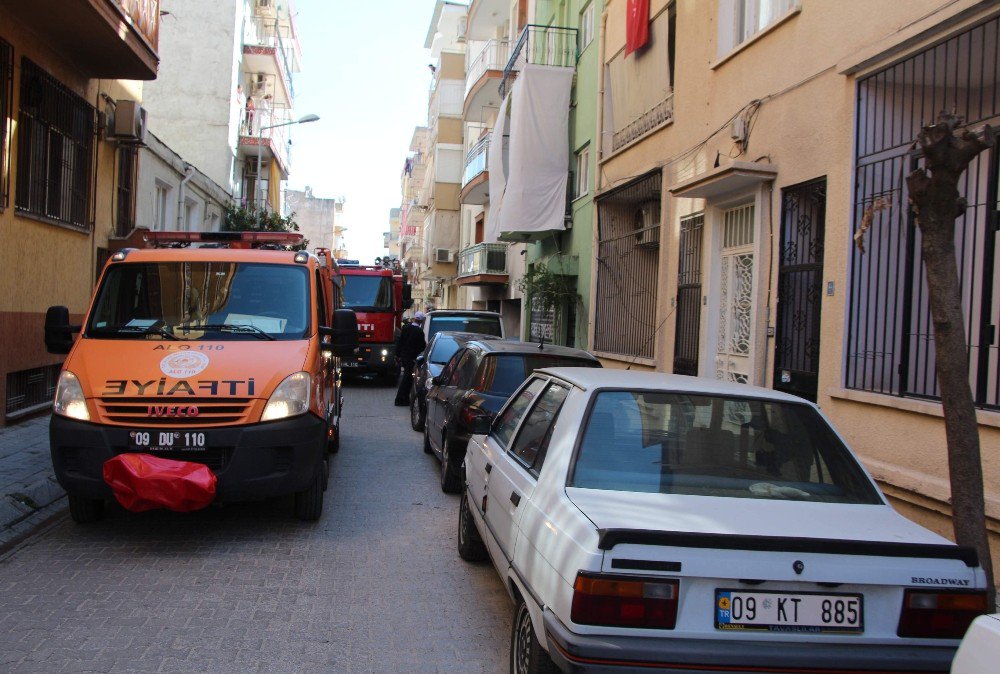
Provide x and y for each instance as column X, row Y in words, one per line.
column 188, row 174
column 601, row 46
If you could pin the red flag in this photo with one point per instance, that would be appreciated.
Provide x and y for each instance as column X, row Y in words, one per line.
column 636, row 25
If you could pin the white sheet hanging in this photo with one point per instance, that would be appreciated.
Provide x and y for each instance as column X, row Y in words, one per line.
column 496, row 163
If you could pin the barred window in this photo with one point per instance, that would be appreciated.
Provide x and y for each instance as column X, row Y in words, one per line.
column 127, row 165
column 890, row 346
column 6, row 96
column 54, row 149
column 628, row 262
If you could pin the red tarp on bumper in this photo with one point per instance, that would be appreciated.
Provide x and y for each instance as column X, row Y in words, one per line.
column 144, row 482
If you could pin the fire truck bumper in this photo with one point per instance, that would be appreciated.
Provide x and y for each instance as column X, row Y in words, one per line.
column 371, row 357
column 251, row 462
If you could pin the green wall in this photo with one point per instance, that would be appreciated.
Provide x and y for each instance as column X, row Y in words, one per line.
column 575, row 245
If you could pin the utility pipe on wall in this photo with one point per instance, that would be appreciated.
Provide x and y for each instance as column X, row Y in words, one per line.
column 188, row 174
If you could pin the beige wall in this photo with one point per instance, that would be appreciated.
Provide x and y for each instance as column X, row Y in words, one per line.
column 450, row 131
column 798, row 69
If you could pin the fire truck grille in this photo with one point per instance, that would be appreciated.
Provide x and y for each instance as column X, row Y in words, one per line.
column 153, row 412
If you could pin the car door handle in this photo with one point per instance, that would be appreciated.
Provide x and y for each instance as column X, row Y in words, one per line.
column 489, row 468
column 515, row 498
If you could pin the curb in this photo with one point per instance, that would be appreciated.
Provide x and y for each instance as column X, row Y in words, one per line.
column 34, row 522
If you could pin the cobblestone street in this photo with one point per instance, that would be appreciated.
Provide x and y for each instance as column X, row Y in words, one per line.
column 375, row 586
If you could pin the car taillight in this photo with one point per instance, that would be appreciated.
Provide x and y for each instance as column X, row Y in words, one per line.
column 939, row 615
column 619, row 601
column 469, row 415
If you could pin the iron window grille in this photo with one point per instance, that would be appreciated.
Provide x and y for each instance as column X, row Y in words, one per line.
column 890, row 346
column 628, row 261
column 6, row 98
column 55, row 149
column 30, row 390
column 126, row 189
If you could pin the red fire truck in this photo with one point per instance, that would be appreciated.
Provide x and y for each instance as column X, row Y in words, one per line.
column 378, row 294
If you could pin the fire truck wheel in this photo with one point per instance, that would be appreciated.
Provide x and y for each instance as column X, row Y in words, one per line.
column 309, row 503
column 85, row 510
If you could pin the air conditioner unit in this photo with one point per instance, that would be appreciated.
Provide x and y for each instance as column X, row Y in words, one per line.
column 130, row 122
column 443, row 255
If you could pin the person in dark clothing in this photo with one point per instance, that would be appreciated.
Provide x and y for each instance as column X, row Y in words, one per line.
column 411, row 343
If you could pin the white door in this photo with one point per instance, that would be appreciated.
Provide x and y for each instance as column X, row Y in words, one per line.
column 734, row 357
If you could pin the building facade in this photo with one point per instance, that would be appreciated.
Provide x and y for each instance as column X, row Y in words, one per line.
column 746, row 154
column 413, row 213
column 232, row 114
column 63, row 65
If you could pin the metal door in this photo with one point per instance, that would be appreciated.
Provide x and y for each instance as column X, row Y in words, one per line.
column 688, row 296
column 800, row 285
column 733, row 358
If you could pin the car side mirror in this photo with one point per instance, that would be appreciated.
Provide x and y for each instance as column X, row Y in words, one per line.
column 343, row 335
column 482, row 425
column 58, row 331
column 420, row 359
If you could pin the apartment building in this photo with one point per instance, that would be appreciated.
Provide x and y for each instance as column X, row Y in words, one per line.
column 487, row 269
column 316, row 217
column 225, row 94
column 443, row 173
column 741, row 147
column 413, row 212
column 63, row 65
column 392, row 236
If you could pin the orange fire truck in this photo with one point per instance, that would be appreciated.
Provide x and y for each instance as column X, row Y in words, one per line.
column 226, row 354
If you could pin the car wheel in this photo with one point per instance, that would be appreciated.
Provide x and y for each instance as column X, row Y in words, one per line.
column 427, row 440
column 326, row 472
column 470, row 545
column 526, row 655
column 309, row 503
column 451, row 478
column 85, row 510
column 416, row 418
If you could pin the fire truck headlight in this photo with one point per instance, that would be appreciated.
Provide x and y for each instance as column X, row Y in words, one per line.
column 69, row 400
column 385, row 352
column 290, row 399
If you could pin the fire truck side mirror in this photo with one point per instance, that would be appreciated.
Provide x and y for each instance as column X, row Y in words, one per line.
column 407, row 296
column 58, row 331
column 343, row 335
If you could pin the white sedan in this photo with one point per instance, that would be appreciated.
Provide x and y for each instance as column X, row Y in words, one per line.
column 644, row 520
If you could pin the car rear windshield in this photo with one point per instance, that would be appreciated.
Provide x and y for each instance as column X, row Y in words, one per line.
column 501, row 374
column 485, row 325
column 367, row 292
column 216, row 301
column 444, row 349
column 680, row 443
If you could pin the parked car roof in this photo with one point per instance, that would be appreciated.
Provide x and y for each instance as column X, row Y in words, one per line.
column 460, row 312
column 589, row 378
column 531, row 348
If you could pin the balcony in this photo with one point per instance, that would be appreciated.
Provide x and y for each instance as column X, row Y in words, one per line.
column 269, row 143
column 481, row 76
column 476, row 179
column 482, row 265
column 269, row 48
column 541, row 46
column 108, row 39
column 485, row 16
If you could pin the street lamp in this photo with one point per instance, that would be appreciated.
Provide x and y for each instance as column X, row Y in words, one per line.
column 260, row 148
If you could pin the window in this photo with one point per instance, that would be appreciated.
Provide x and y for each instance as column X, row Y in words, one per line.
column 501, row 374
column 367, row 292
column 582, row 185
column 890, row 336
column 740, row 20
column 465, row 371
column 450, row 367
column 442, row 351
column 6, row 97
column 586, row 26
column 190, row 215
column 638, row 95
column 161, row 205
column 125, row 191
column 685, row 443
column 55, row 149
column 533, row 439
column 508, row 420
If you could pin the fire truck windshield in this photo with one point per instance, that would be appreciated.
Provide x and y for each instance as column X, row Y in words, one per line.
column 367, row 292
column 219, row 301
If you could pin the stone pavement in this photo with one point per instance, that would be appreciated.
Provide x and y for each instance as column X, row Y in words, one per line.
column 29, row 493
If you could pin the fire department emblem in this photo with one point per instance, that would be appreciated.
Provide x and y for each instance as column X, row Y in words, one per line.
column 184, row 365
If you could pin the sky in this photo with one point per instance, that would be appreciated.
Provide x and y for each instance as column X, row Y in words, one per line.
column 364, row 72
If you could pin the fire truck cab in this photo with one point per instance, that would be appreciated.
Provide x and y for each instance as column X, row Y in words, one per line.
column 227, row 355
column 379, row 294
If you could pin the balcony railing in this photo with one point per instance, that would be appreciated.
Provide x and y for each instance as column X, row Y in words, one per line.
column 483, row 258
column 259, row 31
column 494, row 56
column 254, row 125
column 475, row 160
column 543, row 46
